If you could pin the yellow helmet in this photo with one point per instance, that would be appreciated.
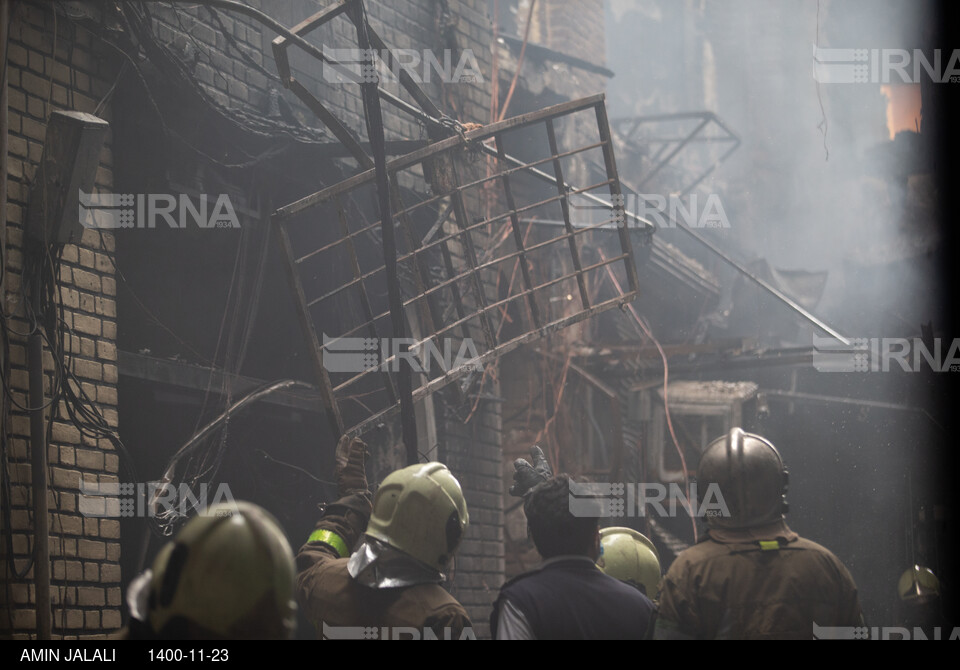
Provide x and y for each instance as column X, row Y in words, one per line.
column 228, row 574
column 630, row 557
column 918, row 584
column 420, row 510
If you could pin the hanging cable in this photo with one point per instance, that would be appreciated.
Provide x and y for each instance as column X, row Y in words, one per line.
column 645, row 330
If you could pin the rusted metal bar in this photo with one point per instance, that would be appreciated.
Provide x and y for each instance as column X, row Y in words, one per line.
column 306, row 324
column 493, row 306
column 422, row 99
column 340, row 131
column 451, row 281
column 436, row 384
column 565, row 209
column 466, row 237
column 616, row 195
column 372, row 329
column 713, row 166
column 473, row 226
column 280, row 44
column 375, row 131
column 518, row 236
column 540, row 174
column 454, row 277
column 430, row 312
column 470, row 137
column 465, row 264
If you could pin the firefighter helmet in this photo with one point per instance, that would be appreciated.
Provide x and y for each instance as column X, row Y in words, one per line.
column 630, row 557
column 420, row 510
column 751, row 477
column 918, row 584
column 228, row 574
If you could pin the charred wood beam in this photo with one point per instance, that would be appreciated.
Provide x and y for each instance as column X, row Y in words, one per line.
column 540, row 52
column 199, row 378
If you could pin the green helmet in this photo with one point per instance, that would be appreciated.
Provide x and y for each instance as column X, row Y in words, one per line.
column 630, row 557
column 420, row 510
column 918, row 584
column 228, row 574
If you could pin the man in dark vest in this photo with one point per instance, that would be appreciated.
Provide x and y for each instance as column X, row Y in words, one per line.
column 568, row 597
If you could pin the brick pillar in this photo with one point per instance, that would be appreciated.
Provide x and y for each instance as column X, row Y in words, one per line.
column 473, row 453
column 575, row 28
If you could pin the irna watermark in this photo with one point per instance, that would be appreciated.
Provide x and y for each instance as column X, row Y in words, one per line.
column 369, row 66
column 884, row 66
column 359, row 354
column 150, row 499
column 665, row 211
column 884, row 633
column 394, row 633
column 156, row 210
column 601, row 499
column 883, row 354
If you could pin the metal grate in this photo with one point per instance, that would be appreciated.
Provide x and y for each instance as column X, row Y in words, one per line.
column 663, row 138
column 478, row 276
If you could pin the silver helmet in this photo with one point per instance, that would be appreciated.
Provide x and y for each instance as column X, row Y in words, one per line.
column 751, row 477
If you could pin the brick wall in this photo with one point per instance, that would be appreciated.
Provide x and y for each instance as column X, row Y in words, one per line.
column 576, row 27
column 406, row 24
column 475, row 456
column 85, row 552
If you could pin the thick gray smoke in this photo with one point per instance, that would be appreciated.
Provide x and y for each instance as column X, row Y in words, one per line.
column 817, row 184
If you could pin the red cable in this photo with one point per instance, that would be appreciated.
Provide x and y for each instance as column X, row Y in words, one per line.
column 645, row 330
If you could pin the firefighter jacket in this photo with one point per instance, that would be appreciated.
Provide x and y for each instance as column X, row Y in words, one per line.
column 764, row 583
column 340, row 606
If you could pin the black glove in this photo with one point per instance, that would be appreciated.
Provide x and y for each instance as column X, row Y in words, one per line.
column 351, row 466
column 527, row 476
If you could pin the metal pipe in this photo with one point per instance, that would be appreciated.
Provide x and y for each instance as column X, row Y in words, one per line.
column 375, row 132
column 38, row 463
column 840, row 400
column 4, row 124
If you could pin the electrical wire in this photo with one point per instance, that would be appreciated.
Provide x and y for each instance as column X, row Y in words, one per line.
column 645, row 330
column 191, row 444
column 523, row 52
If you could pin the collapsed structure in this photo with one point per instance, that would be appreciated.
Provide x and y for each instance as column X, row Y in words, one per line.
column 432, row 262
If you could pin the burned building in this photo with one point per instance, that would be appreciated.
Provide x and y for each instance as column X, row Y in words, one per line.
column 278, row 199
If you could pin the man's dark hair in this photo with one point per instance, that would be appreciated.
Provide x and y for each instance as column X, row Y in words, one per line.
column 554, row 529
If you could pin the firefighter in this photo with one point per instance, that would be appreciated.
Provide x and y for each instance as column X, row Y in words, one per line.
column 630, row 556
column 407, row 539
column 228, row 575
column 920, row 604
column 567, row 597
column 751, row 576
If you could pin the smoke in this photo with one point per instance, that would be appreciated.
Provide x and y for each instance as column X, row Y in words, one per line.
column 817, row 184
